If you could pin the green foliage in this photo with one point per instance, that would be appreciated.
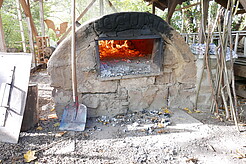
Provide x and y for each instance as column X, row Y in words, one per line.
column 11, row 24
column 10, row 21
column 129, row 5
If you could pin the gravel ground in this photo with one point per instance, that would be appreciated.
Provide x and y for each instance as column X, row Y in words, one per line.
column 143, row 137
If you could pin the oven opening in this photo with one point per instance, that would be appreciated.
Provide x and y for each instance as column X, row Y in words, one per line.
column 129, row 57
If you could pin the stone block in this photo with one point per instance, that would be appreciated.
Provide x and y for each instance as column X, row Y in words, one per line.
column 169, row 57
column 61, row 77
column 137, row 82
column 136, row 100
column 151, row 97
column 105, row 104
column 163, row 79
column 83, row 56
column 91, row 101
column 122, row 94
column 88, row 83
column 187, row 73
column 187, row 86
column 161, row 98
column 61, row 98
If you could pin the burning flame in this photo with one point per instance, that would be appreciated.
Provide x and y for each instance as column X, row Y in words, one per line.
column 117, row 49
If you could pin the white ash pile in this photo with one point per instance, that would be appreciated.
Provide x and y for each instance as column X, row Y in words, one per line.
column 151, row 122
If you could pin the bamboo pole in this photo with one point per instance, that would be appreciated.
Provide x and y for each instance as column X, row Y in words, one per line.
column 224, row 37
column 235, row 113
column 21, row 25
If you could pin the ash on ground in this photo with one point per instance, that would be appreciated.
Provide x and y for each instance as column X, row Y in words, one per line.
column 151, row 122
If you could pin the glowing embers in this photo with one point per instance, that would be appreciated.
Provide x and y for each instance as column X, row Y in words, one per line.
column 128, row 57
column 125, row 49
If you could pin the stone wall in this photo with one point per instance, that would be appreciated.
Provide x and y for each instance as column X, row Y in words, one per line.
column 174, row 88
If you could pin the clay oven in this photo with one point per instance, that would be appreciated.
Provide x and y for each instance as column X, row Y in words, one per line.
column 125, row 62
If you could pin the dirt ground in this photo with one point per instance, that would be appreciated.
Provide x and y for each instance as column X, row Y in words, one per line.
column 160, row 136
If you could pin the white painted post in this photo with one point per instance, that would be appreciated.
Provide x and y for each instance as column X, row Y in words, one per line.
column 21, row 25
column 244, row 48
column 236, row 42
column 34, row 61
column 2, row 41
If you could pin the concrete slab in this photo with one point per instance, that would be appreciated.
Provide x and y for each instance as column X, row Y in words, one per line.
column 180, row 117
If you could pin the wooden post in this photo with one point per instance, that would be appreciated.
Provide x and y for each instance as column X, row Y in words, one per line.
column 21, row 25
column 101, row 7
column 30, row 118
column 153, row 8
column 112, row 6
column 31, row 41
column 204, row 9
column 1, row 3
column 27, row 12
column 41, row 14
column 81, row 15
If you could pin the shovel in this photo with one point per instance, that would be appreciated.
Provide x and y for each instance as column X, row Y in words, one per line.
column 74, row 116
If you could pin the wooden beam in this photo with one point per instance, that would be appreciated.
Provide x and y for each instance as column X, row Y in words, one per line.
column 188, row 6
column 153, row 8
column 1, row 3
column 112, row 6
column 240, row 70
column 27, row 12
column 101, row 7
column 243, row 3
column 80, row 16
column 171, row 8
column 2, row 40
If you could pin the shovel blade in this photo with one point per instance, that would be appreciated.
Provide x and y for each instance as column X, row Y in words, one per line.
column 73, row 120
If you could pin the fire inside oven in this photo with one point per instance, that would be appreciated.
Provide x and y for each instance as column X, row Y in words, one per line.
column 129, row 57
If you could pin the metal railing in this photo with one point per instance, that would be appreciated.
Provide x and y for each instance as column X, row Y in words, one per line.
column 192, row 38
